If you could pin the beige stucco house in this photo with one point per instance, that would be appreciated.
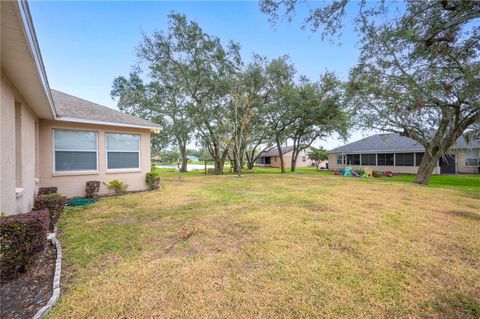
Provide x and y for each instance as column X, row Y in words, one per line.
column 271, row 158
column 49, row 138
column 399, row 154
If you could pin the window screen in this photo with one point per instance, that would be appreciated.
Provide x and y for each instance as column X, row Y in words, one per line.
column 75, row 150
column 353, row 159
column 123, row 151
column 385, row 159
column 404, row 159
column 369, row 159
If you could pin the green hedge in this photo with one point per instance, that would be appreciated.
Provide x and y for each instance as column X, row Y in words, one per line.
column 22, row 236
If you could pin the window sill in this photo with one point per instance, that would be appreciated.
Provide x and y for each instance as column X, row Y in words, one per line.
column 123, row 170
column 74, row 173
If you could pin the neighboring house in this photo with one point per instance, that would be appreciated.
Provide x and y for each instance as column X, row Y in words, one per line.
column 49, row 138
column 323, row 164
column 399, row 154
column 271, row 157
column 192, row 158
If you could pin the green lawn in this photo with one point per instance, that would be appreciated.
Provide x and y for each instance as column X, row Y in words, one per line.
column 469, row 183
column 303, row 245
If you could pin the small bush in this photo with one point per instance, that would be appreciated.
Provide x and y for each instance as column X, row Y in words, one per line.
column 47, row 190
column 21, row 237
column 117, row 186
column 152, row 180
column 54, row 203
column 92, row 188
column 377, row 174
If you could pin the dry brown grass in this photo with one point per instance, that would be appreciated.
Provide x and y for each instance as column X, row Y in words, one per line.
column 272, row 246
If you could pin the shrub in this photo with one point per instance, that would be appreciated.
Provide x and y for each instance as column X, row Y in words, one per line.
column 54, row 203
column 92, row 188
column 117, row 186
column 21, row 237
column 377, row 174
column 47, row 190
column 153, row 180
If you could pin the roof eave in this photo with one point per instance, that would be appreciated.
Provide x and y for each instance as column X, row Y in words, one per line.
column 155, row 129
column 35, row 50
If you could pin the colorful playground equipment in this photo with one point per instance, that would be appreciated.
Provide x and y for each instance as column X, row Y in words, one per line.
column 367, row 172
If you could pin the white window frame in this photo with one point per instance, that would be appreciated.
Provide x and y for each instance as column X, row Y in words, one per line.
column 82, row 172
column 123, row 170
column 336, row 159
column 465, row 158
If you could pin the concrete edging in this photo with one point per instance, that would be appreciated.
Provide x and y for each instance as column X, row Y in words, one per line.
column 56, row 278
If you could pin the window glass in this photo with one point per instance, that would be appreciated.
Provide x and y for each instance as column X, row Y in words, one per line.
column 123, row 142
column 418, row 159
column 123, row 151
column 123, row 160
column 304, row 158
column 75, row 150
column 353, row 159
column 472, row 158
column 369, row 159
column 75, row 140
column 404, row 159
column 385, row 159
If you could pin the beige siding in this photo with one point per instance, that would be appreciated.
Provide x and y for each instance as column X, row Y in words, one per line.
column 275, row 160
column 17, row 154
column 461, row 168
column 73, row 184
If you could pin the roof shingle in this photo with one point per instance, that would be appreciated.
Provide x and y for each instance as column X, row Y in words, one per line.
column 69, row 106
column 273, row 151
column 392, row 142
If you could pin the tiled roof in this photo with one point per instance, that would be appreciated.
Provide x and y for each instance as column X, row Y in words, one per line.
column 393, row 142
column 68, row 106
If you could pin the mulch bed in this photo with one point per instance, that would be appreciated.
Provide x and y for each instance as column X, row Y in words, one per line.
column 24, row 296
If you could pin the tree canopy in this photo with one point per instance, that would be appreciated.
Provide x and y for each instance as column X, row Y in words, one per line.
column 419, row 71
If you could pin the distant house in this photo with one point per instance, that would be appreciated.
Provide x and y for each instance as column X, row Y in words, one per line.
column 399, row 154
column 271, row 158
column 50, row 138
column 192, row 158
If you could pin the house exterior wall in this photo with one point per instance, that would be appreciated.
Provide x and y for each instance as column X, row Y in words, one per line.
column 18, row 154
column 459, row 158
column 287, row 157
column 460, row 162
column 73, row 183
column 332, row 165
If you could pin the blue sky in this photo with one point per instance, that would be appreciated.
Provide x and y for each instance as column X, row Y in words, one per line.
column 85, row 45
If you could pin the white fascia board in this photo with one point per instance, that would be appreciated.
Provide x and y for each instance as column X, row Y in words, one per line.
column 88, row 121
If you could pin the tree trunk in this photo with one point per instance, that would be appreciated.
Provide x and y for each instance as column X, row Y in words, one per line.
column 426, row 167
column 218, row 166
column 294, row 164
column 183, row 153
column 294, row 159
column 282, row 162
